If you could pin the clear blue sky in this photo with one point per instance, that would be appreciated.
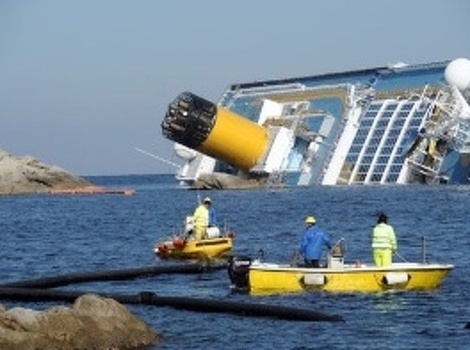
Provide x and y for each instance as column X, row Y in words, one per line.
column 82, row 83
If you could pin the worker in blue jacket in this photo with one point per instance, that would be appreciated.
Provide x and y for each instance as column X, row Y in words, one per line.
column 212, row 217
column 313, row 241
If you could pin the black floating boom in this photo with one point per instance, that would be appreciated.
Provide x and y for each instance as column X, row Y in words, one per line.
column 184, row 303
column 111, row 275
column 38, row 290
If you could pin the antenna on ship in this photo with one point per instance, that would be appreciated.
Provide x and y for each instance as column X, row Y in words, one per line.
column 157, row 157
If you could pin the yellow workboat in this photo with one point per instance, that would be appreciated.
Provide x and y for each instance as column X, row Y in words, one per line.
column 259, row 277
column 178, row 248
column 216, row 244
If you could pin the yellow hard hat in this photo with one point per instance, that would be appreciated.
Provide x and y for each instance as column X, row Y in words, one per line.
column 207, row 200
column 310, row 220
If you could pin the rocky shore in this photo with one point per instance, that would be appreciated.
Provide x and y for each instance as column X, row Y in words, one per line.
column 222, row 181
column 93, row 322
column 23, row 175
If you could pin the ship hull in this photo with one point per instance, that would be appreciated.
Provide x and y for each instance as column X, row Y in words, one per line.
column 398, row 124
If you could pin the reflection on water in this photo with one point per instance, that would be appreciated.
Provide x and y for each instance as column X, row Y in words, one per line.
column 388, row 301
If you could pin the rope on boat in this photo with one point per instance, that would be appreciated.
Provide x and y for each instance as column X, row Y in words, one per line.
column 402, row 258
column 182, row 303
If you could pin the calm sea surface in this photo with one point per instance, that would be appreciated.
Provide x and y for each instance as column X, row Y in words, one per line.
column 43, row 235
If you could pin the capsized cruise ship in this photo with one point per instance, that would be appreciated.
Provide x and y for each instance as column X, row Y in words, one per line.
column 397, row 124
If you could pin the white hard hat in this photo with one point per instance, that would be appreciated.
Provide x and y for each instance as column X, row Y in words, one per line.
column 310, row 220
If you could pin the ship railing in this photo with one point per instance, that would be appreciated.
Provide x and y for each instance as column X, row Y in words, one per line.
column 286, row 89
column 341, row 125
column 257, row 90
column 446, row 122
column 417, row 164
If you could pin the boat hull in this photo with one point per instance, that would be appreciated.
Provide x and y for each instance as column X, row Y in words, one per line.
column 264, row 278
column 200, row 250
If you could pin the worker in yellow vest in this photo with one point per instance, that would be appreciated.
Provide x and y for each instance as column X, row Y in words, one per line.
column 201, row 219
column 384, row 242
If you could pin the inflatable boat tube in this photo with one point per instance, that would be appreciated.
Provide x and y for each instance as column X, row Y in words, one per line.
column 182, row 303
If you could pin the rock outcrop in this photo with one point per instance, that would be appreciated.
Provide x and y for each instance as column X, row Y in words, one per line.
column 21, row 175
column 92, row 323
column 222, row 181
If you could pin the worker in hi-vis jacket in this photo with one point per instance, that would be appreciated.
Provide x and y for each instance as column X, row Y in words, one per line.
column 384, row 242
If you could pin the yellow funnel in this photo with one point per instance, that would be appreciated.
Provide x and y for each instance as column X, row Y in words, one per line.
column 235, row 140
column 215, row 131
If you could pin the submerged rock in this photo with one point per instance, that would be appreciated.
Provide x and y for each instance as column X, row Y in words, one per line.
column 21, row 175
column 221, row 181
column 92, row 323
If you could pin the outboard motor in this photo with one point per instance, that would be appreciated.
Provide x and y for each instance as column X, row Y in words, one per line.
column 238, row 267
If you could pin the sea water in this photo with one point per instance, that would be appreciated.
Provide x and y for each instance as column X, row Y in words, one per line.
column 49, row 235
